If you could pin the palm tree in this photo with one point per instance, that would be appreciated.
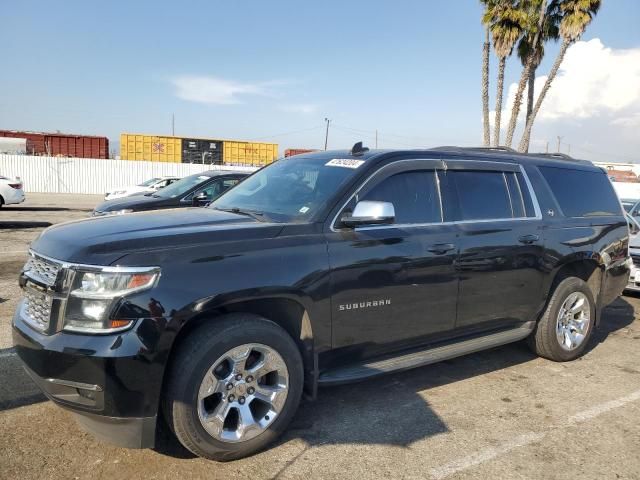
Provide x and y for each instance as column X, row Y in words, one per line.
column 505, row 19
column 576, row 16
column 536, row 12
column 485, row 89
column 526, row 49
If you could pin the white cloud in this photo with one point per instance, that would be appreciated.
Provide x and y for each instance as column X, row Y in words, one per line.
column 593, row 104
column 215, row 90
column 630, row 121
column 593, row 81
column 305, row 108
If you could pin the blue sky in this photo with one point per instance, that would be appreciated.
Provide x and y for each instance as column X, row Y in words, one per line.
column 260, row 70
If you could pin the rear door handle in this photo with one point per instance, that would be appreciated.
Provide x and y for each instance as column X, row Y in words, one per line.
column 441, row 248
column 528, row 239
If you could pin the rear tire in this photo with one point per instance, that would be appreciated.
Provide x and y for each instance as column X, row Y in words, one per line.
column 215, row 363
column 564, row 330
column 1, row 201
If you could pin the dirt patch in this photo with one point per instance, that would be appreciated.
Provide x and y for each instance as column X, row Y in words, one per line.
column 10, row 269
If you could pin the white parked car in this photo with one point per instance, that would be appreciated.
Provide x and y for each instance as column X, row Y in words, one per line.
column 10, row 191
column 151, row 185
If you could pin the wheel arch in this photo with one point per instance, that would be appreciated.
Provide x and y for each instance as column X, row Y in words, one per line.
column 286, row 312
column 590, row 269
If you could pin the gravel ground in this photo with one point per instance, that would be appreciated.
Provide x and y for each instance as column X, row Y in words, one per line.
column 501, row 413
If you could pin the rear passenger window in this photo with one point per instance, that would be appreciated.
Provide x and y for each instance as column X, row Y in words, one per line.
column 582, row 193
column 482, row 195
column 414, row 196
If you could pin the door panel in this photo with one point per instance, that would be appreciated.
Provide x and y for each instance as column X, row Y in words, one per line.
column 501, row 245
column 500, row 276
column 388, row 288
column 394, row 285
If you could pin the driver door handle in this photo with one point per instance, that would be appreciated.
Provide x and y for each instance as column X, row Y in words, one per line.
column 528, row 239
column 441, row 248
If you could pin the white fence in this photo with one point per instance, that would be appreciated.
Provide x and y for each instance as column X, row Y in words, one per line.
column 92, row 175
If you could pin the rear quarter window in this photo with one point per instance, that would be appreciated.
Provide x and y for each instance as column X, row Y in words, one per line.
column 582, row 193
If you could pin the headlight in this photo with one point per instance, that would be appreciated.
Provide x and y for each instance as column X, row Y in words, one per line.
column 94, row 294
column 118, row 212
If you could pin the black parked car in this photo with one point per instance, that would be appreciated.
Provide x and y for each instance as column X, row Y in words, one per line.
column 192, row 191
column 319, row 269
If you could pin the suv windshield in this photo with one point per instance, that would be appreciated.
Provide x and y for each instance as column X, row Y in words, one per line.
column 151, row 181
column 288, row 190
column 181, row 186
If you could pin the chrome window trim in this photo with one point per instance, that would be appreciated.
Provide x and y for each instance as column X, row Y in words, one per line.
column 439, row 196
column 519, row 167
column 506, row 186
column 520, row 194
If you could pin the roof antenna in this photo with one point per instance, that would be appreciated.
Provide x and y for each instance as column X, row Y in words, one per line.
column 358, row 149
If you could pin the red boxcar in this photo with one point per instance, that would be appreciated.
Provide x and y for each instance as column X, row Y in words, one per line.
column 290, row 152
column 62, row 144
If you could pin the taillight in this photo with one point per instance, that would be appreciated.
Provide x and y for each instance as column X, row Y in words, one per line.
column 17, row 186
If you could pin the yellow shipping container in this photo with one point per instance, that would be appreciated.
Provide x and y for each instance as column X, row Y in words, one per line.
column 249, row 153
column 170, row 149
column 150, row 148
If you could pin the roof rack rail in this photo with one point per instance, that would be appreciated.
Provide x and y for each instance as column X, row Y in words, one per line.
column 553, row 155
column 499, row 149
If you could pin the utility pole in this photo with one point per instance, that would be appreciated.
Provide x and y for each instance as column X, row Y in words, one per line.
column 569, row 148
column 173, row 125
column 559, row 140
column 547, row 149
column 376, row 138
column 326, row 135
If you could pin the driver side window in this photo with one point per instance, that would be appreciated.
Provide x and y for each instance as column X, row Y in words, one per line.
column 414, row 196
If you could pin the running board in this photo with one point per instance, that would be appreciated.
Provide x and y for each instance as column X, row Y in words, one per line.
column 361, row 371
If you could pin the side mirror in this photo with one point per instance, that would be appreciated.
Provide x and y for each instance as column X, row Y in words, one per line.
column 200, row 198
column 370, row 213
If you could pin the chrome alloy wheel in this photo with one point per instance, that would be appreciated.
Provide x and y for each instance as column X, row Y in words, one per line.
column 243, row 393
column 573, row 321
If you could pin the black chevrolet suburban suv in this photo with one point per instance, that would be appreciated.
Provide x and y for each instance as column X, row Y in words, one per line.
column 319, row 269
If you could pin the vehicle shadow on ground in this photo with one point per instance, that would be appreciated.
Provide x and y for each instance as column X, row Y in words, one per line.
column 16, row 387
column 390, row 409
column 19, row 224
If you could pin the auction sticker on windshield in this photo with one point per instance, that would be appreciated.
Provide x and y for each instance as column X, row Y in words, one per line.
column 344, row 162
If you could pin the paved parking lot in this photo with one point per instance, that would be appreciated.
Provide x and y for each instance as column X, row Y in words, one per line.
column 502, row 413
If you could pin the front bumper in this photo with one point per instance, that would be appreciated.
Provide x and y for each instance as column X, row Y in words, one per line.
column 108, row 381
column 14, row 196
column 634, row 279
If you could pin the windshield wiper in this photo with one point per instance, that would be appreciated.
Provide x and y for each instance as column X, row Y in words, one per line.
column 249, row 213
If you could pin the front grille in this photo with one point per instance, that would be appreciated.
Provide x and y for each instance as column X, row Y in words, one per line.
column 42, row 269
column 37, row 308
column 38, row 293
column 636, row 260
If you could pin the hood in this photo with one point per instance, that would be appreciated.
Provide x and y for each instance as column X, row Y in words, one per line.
column 128, row 202
column 130, row 188
column 103, row 240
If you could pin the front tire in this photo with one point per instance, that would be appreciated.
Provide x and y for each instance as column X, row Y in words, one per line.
column 233, row 387
column 563, row 332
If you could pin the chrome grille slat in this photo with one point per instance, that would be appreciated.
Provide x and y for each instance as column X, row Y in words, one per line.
column 38, row 300
column 37, row 308
column 42, row 269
